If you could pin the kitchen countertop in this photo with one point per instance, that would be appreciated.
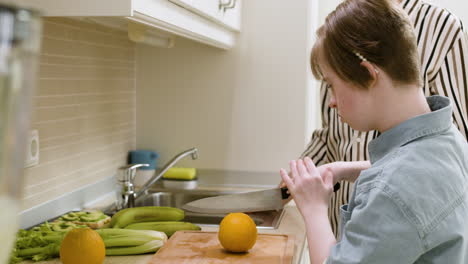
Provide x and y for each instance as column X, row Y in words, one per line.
column 291, row 224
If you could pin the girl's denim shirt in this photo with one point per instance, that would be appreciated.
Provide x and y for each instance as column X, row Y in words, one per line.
column 411, row 205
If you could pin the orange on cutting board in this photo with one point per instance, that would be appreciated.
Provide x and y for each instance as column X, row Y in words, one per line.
column 82, row 245
column 237, row 232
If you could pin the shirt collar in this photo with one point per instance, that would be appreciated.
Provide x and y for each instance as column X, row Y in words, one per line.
column 434, row 122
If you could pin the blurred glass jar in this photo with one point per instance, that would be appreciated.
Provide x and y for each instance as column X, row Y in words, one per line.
column 20, row 35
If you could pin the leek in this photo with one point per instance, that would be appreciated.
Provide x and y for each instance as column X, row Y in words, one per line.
column 120, row 241
column 150, row 246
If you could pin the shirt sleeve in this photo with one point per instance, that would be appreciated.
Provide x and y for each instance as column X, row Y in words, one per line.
column 317, row 147
column 376, row 231
column 452, row 77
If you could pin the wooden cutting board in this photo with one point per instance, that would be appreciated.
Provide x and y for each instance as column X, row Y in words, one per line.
column 199, row 247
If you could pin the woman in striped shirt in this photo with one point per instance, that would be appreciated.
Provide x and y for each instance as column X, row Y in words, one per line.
column 443, row 51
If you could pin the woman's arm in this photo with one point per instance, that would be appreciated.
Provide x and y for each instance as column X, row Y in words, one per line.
column 345, row 171
column 311, row 190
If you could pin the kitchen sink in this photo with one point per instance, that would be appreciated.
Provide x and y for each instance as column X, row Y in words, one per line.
column 263, row 220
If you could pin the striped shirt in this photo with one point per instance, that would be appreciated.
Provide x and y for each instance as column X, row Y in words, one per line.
column 443, row 49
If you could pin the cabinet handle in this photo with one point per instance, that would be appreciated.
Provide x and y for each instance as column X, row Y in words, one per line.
column 225, row 6
column 231, row 5
column 222, row 4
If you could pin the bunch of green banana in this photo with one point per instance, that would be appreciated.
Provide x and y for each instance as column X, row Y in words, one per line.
column 129, row 216
column 157, row 218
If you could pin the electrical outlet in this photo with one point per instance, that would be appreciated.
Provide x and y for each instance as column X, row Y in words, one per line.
column 32, row 152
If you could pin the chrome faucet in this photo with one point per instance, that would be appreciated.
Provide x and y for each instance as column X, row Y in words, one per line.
column 193, row 152
column 128, row 190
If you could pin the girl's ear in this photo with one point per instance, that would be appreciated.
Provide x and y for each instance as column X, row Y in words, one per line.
column 373, row 72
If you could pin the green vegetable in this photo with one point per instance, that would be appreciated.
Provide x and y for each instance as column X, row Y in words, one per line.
column 37, row 244
column 63, row 226
column 40, row 253
column 70, row 217
column 42, row 243
column 150, row 246
column 93, row 217
column 114, row 237
column 168, row 227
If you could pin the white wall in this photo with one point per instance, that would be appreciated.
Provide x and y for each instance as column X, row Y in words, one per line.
column 245, row 109
column 456, row 7
column 325, row 7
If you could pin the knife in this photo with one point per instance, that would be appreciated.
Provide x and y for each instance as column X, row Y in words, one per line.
column 265, row 200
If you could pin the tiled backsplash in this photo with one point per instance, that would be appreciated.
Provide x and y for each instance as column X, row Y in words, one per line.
column 84, row 107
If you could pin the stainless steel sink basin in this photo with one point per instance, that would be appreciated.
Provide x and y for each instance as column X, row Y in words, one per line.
column 263, row 220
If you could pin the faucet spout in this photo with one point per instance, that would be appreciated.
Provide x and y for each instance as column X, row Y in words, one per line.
column 194, row 154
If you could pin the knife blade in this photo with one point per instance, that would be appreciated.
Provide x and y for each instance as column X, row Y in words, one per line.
column 270, row 199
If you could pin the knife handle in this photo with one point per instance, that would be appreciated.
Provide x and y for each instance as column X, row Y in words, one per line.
column 285, row 192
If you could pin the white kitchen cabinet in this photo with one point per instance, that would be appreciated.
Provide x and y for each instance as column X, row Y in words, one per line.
column 203, row 21
column 224, row 12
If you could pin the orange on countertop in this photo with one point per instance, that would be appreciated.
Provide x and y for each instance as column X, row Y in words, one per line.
column 82, row 245
column 237, row 232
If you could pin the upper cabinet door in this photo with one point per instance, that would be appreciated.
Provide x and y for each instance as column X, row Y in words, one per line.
column 231, row 14
column 223, row 12
column 213, row 22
